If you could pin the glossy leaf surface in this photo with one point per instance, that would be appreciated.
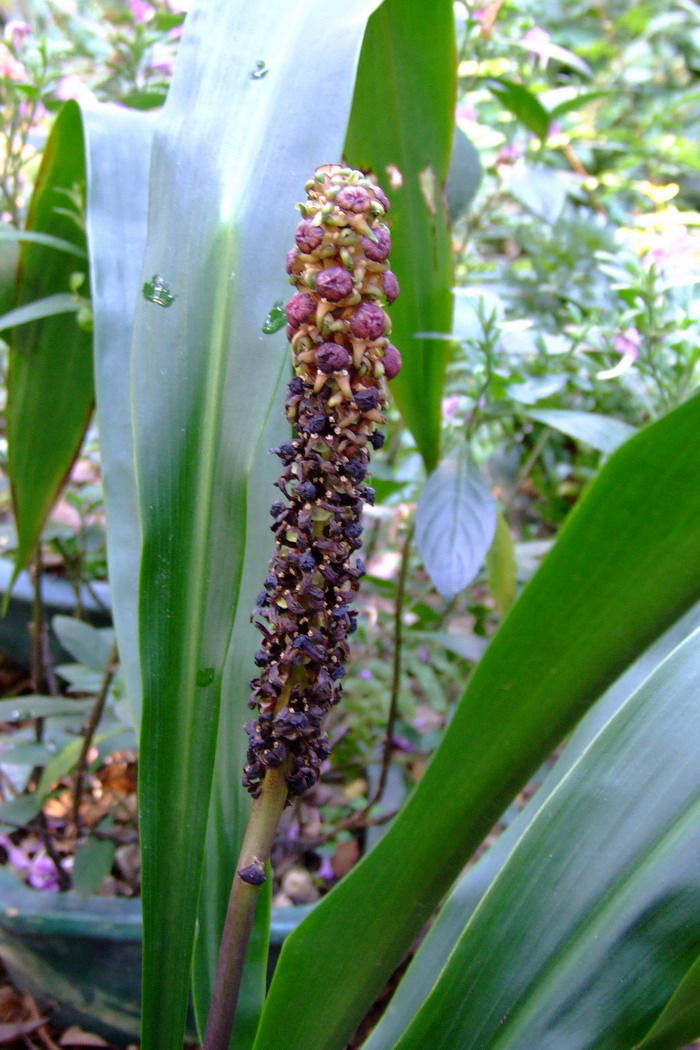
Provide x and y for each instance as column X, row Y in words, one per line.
column 602, row 432
column 203, row 375
column 50, row 382
column 604, row 592
column 602, row 892
column 118, row 150
column 401, row 128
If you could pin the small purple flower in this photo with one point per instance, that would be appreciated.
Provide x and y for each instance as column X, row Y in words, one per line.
column 16, row 32
column 365, row 673
column 377, row 251
column 537, row 41
column 334, row 284
column 43, row 874
column 450, row 406
column 627, row 344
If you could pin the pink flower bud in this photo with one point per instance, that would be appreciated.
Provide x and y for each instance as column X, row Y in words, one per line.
column 331, row 357
column 299, row 309
column 368, row 322
column 377, row 251
column 334, row 284
column 390, row 286
column 354, row 198
column 392, row 361
column 308, row 236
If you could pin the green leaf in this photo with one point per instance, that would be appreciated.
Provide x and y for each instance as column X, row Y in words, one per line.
column 29, row 753
column 525, row 106
column 501, row 566
column 203, row 375
column 540, row 189
column 601, row 892
column 50, row 306
column 455, row 523
column 64, row 761
column 23, row 707
column 446, row 929
column 601, row 432
column 680, row 1021
column 50, row 382
column 603, row 593
column 401, row 128
column 92, row 863
column 9, row 233
column 21, row 810
column 464, row 175
column 90, row 646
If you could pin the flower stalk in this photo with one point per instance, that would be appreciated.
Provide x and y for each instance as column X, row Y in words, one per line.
column 339, row 333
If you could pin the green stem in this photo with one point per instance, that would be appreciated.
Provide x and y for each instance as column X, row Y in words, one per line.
column 255, row 852
column 90, row 729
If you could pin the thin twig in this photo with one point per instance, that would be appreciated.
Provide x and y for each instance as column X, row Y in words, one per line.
column 254, row 855
column 388, row 748
column 90, row 729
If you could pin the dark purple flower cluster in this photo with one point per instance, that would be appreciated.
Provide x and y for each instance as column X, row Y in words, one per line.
column 343, row 358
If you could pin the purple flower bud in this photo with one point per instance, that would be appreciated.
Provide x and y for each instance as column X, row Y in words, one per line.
column 292, row 256
column 289, row 332
column 392, row 361
column 377, row 250
column 382, row 197
column 334, row 284
column 308, row 236
column 306, row 491
column 332, row 357
column 367, row 398
column 377, row 439
column 299, row 309
column 368, row 321
column 354, row 198
column 390, row 286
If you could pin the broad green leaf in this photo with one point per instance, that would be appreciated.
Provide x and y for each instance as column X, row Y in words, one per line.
column 455, row 523
column 536, row 388
column 90, row 646
column 203, row 374
column 61, row 303
column 21, row 810
column 601, row 432
column 50, row 382
column 464, row 175
column 29, row 753
column 117, row 157
column 547, row 49
column 401, row 128
column 65, row 760
column 501, row 567
column 22, row 707
column 604, row 592
column 525, row 106
column 92, row 863
column 540, row 189
column 680, row 1021
column 601, row 892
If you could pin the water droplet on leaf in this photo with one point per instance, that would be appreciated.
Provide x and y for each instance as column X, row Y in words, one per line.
column 205, row 676
column 261, row 70
column 158, row 291
column 276, row 318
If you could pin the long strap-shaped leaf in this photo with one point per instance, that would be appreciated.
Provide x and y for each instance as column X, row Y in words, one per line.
column 50, row 382
column 260, row 97
column 117, row 157
column 594, row 920
column 401, row 127
column 625, row 566
column 444, row 933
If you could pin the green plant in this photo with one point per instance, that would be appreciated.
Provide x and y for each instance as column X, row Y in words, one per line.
column 201, row 235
